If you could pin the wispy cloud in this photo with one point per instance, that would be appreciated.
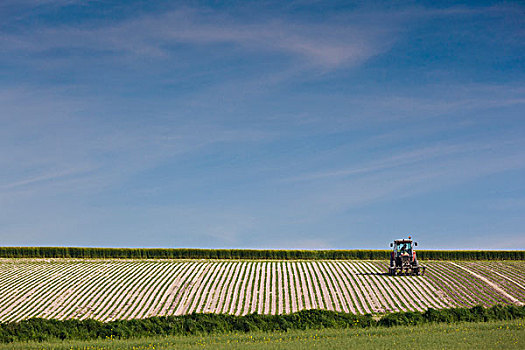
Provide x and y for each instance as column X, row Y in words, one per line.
column 404, row 159
column 401, row 176
column 340, row 40
column 46, row 178
column 326, row 44
column 49, row 144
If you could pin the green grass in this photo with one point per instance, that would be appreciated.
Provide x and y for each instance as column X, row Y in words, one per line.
column 484, row 335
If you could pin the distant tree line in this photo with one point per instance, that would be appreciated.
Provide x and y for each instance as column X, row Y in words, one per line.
column 184, row 253
column 38, row 329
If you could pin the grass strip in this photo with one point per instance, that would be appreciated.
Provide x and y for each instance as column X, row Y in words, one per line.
column 48, row 330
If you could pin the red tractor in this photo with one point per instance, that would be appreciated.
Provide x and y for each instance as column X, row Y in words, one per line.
column 403, row 260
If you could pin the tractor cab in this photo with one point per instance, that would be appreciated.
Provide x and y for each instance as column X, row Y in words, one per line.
column 403, row 257
column 403, row 246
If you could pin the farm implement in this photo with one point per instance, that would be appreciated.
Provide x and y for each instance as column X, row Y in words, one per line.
column 403, row 260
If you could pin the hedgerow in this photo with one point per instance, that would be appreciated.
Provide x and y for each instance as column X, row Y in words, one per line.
column 452, row 315
column 38, row 329
column 186, row 253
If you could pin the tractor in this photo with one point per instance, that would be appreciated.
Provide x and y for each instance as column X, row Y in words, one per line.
column 403, row 260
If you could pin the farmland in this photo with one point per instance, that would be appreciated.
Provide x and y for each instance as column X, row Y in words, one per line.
column 112, row 289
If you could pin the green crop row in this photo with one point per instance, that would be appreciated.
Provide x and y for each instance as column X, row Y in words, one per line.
column 184, row 253
column 38, row 329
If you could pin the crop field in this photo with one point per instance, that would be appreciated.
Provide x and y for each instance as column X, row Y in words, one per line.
column 125, row 289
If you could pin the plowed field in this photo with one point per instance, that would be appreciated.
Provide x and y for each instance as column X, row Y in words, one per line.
column 125, row 289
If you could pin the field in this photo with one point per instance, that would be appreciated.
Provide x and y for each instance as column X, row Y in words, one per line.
column 486, row 335
column 114, row 289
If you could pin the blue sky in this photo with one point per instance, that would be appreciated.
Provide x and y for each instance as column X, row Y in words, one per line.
column 262, row 124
